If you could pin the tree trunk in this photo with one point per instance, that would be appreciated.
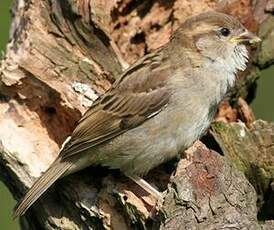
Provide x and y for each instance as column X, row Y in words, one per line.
column 62, row 55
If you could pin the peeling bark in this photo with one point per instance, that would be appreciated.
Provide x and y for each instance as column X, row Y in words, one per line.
column 209, row 194
column 62, row 55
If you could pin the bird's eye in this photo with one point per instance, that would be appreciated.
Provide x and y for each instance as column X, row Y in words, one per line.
column 225, row 31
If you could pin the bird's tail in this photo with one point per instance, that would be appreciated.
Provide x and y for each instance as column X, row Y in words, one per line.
column 55, row 171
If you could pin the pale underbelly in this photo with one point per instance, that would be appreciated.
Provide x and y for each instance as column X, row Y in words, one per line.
column 158, row 140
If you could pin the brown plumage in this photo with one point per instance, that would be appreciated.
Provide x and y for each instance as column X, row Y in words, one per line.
column 158, row 107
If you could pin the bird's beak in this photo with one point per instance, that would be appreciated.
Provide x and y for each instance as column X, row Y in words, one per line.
column 245, row 37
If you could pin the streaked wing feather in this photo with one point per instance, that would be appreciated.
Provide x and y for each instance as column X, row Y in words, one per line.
column 125, row 106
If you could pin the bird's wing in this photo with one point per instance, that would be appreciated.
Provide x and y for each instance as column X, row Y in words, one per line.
column 140, row 93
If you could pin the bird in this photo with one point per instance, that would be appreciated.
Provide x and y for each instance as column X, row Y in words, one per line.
column 158, row 107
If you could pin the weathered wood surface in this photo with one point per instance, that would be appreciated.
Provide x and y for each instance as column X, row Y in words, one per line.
column 62, row 55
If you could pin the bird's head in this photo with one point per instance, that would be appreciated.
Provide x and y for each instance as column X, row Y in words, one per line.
column 219, row 38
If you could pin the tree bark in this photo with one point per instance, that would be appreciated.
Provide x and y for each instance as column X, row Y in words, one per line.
column 62, row 55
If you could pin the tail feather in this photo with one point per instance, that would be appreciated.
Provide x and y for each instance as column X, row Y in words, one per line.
column 55, row 171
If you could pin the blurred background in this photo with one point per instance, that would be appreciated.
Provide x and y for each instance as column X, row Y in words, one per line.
column 260, row 105
column 6, row 200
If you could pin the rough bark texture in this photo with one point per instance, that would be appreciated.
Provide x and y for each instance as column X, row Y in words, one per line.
column 63, row 54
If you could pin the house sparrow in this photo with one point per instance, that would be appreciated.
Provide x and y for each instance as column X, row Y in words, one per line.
column 158, row 107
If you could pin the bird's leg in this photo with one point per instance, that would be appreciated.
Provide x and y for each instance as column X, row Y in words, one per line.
column 149, row 189
column 146, row 186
